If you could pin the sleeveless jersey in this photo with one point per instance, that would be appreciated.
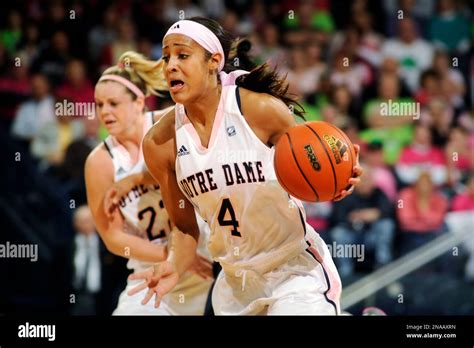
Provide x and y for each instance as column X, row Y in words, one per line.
column 254, row 223
column 142, row 208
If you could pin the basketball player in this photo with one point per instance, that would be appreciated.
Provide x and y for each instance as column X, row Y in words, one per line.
column 140, row 227
column 214, row 152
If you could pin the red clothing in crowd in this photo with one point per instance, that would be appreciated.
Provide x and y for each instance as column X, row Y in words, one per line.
column 414, row 219
column 463, row 202
column 76, row 94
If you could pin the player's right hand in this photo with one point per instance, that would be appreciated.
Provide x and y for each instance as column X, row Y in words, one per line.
column 159, row 279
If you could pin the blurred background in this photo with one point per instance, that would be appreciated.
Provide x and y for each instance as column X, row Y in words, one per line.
column 413, row 212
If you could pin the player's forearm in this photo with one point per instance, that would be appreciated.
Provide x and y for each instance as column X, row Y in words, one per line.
column 181, row 250
column 133, row 247
column 145, row 178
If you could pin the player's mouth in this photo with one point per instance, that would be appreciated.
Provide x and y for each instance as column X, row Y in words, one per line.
column 109, row 122
column 176, row 85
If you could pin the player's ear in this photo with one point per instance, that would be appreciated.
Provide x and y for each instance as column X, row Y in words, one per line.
column 139, row 103
column 215, row 61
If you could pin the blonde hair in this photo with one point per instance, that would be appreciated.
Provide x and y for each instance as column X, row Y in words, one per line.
column 146, row 74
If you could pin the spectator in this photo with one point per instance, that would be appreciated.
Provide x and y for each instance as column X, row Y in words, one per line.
column 318, row 216
column 364, row 217
column 76, row 88
column 340, row 111
column 370, row 43
column 52, row 60
column 412, row 52
column 35, row 113
column 439, row 117
column 29, row 47
column 465, row 201
column 270, row 50
column 87, row 263
column 125, row 41
column 449, row 29
column 383, row 176
column 459, row 155
column 394, row 132
column 316, row 66
column 421, row 212
column 103, row 34
column 301, row 78
column 15, row 88
column 452, row 81
column 463, row 210
column 11, row 36
column 347, row 72
column 175, row 10
column 430, row 87
column 420, row 11
column 421, row 156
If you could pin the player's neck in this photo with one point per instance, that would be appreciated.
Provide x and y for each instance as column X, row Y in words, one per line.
column 131, row 137
column 204, row 110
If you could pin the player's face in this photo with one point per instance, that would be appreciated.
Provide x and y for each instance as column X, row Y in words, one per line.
column 115, row 107
column 187, row 71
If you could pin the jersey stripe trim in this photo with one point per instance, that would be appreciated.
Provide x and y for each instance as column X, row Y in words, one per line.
column 308, row 250
column 108, row 149
column 237, row 97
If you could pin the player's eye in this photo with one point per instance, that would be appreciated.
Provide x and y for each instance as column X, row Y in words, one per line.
column 183, row 56
column 113, row 104
column 166, row 59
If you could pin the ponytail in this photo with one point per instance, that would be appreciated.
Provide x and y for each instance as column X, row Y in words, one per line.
column 261, row 79
column 146, row 74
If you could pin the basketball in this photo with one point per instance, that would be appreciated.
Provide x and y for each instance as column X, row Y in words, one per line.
column 314, row 161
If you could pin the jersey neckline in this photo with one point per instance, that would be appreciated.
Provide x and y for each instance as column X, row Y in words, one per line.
column 216, row 125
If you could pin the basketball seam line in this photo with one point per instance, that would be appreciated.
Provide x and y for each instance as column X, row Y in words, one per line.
column 329, row 158
column 301, row 171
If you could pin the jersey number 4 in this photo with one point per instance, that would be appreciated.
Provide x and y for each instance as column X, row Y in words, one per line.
column 149, row 229
column 227, row 207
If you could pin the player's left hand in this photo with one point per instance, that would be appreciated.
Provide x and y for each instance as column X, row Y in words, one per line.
column 116, row 192
column 354, row 180
column 159, row 279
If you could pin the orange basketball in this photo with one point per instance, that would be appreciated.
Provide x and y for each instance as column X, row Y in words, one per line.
column 314, row 161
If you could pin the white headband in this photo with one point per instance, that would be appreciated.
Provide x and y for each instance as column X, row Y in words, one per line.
column 209, row 41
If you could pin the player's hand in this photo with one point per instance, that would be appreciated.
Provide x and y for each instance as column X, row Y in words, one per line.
column 116, row 192
column 202, row 267
column 354, row 180
column 159, row 279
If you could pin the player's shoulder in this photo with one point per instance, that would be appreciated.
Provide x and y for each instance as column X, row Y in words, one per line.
column 158, row 144
column 158, row 114
column 262, row 105
column 265, row 112
column 99, row 157
column 163, row 130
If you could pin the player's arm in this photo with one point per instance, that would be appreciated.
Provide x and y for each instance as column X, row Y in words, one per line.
column 99, row 177
column 270, row 118
column 120, row 188
column 160, row 152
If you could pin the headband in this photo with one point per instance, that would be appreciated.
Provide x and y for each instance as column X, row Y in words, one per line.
column 209, row 41
column 132, row 87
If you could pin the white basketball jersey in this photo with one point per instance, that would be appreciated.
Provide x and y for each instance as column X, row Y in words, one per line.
column 254, row 223
column 142, row 208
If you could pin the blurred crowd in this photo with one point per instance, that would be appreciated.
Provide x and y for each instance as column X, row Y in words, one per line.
column 346, row 60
